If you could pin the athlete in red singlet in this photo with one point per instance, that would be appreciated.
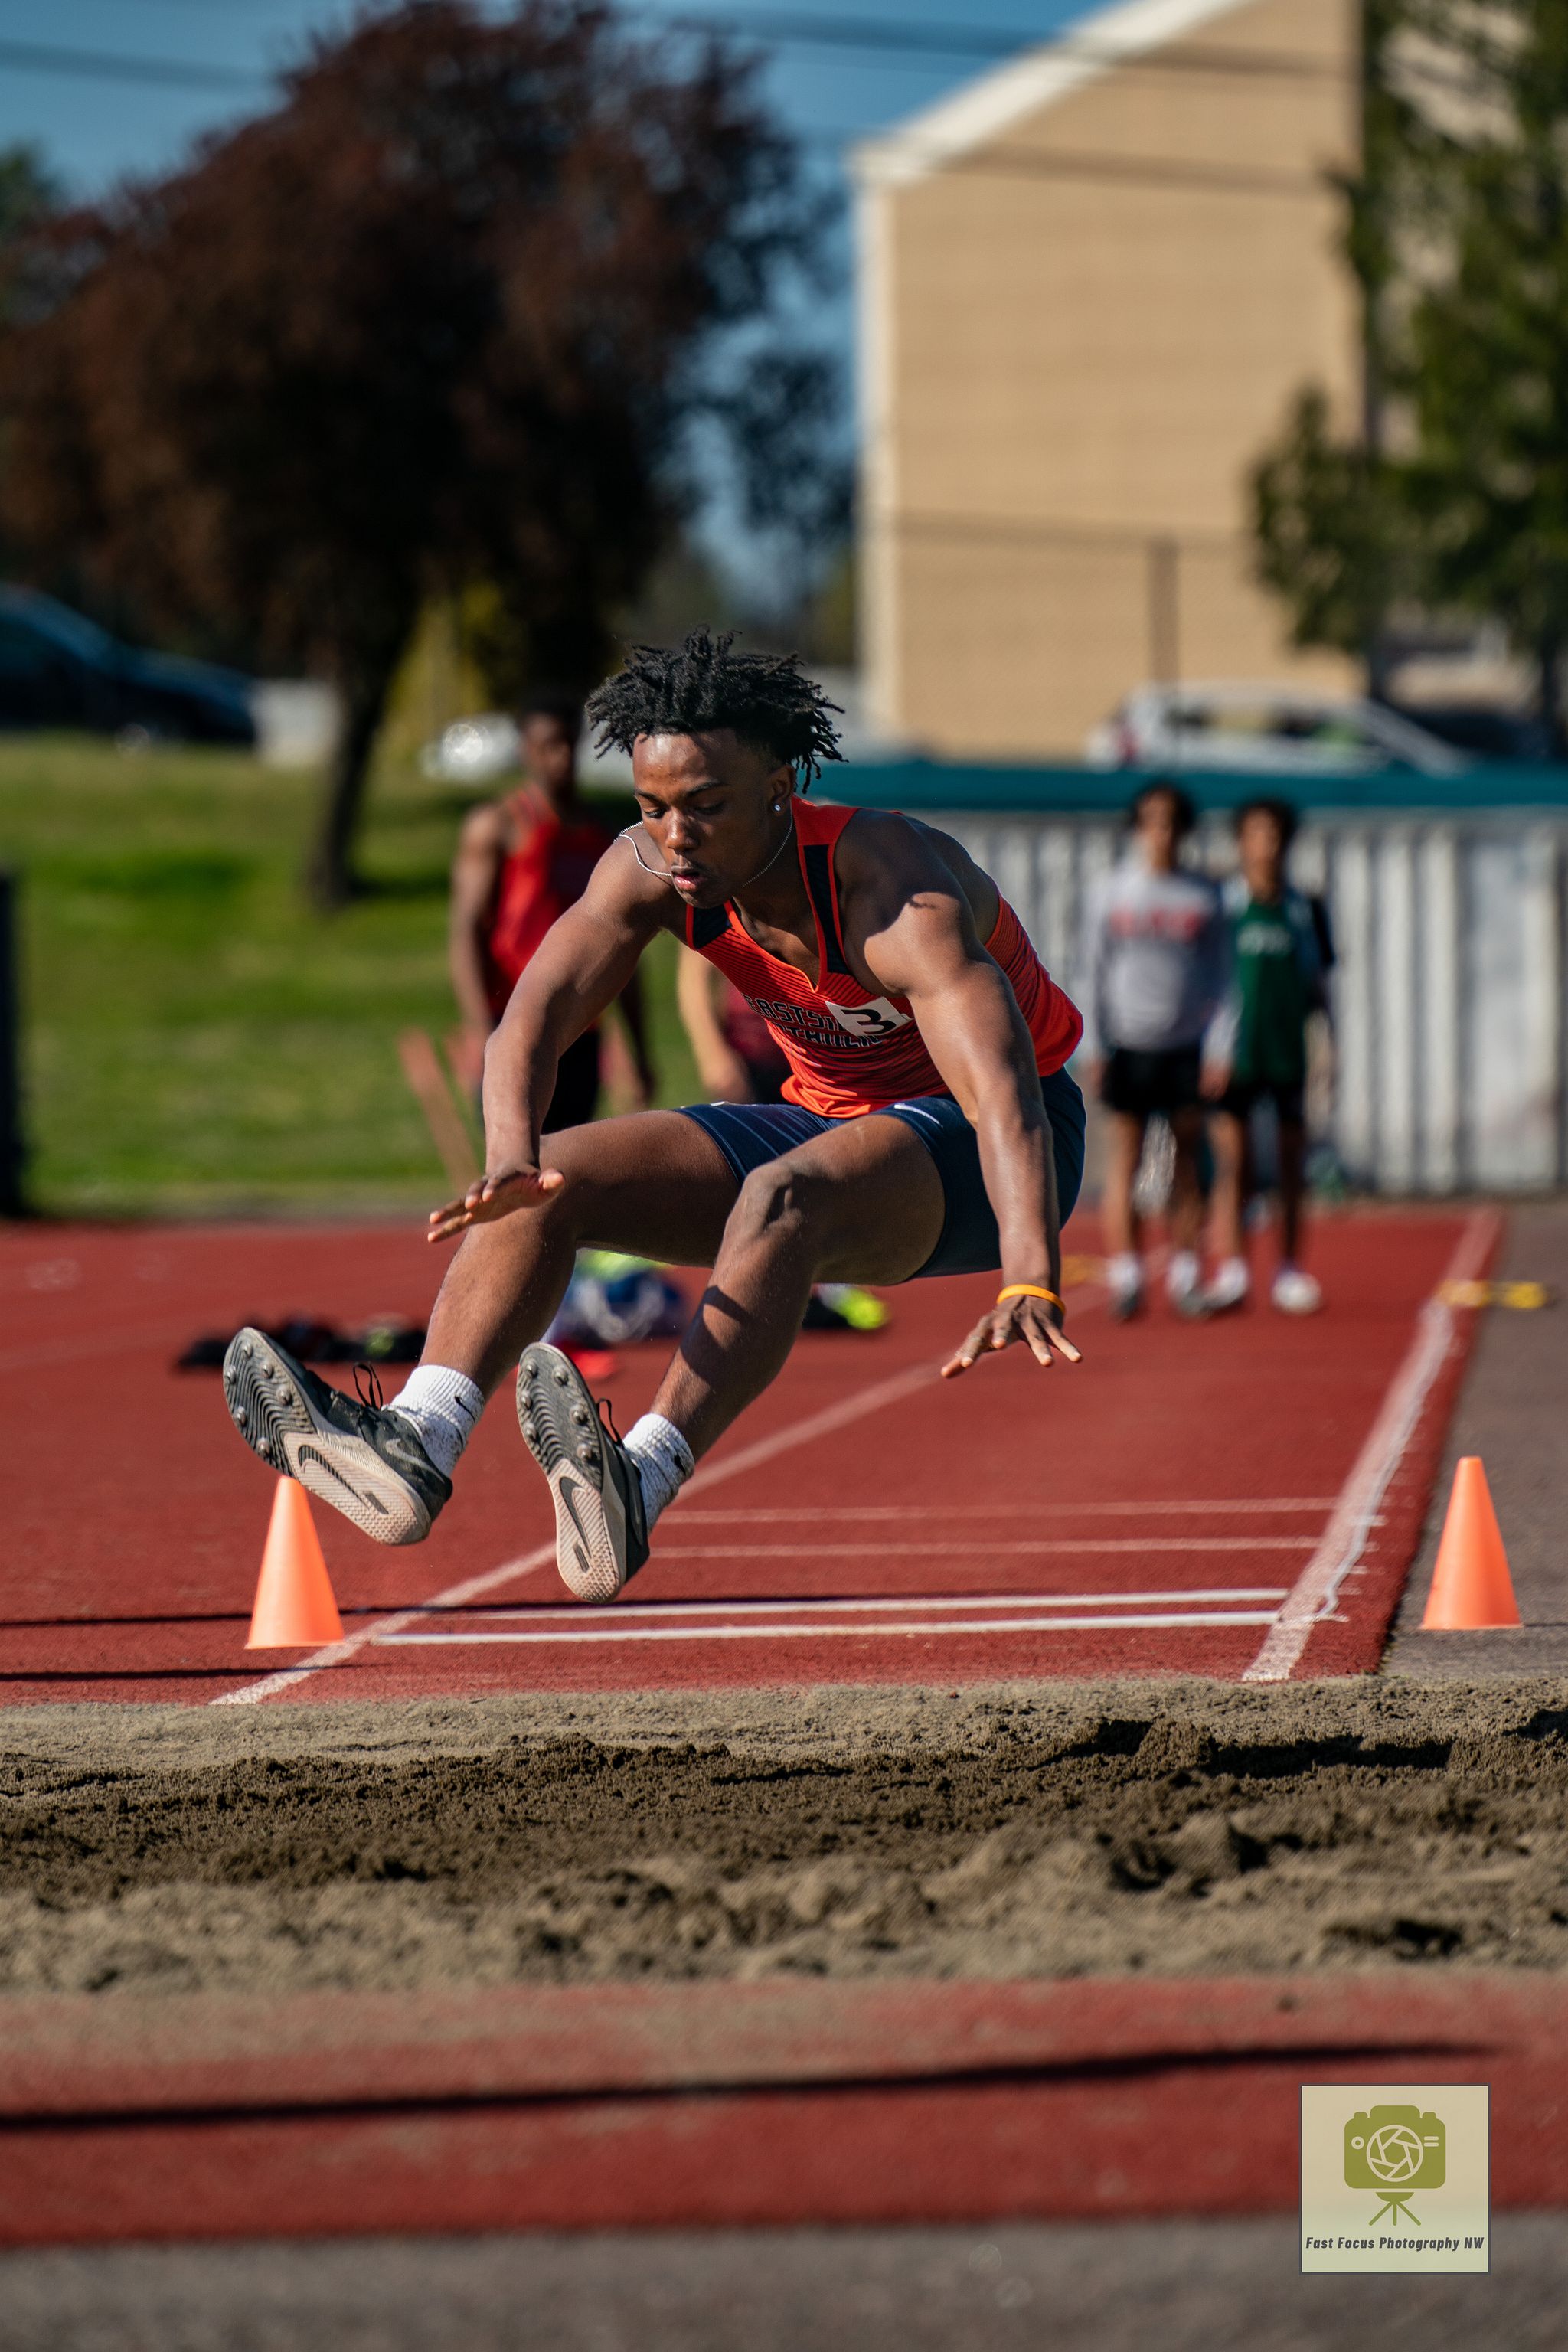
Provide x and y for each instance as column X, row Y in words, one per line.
column 521, row 861
column 849, row 1051
column 931, row 1124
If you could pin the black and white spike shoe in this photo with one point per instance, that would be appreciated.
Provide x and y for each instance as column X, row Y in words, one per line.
column 601, row 1525
column 365, row 1458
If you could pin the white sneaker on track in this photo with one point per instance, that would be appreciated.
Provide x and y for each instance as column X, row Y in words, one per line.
column 1231, row 1284
column 1296, row 1292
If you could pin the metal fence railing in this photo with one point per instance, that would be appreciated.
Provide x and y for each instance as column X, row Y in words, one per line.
column 1451, row 932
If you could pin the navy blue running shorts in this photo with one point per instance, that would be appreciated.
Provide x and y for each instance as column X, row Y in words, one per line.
column 750, row 1134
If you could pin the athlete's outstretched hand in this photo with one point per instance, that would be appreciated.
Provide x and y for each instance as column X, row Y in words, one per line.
column 495, row 1194
column 1031, row 1321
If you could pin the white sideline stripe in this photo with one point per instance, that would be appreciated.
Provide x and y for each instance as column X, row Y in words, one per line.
column 891, row 1391
column 1033, row 1547
column 1317, row 1588
column 910, row 1603
column 1052, row 1504
column 1036, row 1624
column 386, row 1629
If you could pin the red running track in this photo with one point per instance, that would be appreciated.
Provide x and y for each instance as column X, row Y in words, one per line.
column 1235, row 1498
column 627, row 2106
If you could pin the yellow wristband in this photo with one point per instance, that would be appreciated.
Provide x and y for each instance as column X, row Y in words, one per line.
column 1030, row 1290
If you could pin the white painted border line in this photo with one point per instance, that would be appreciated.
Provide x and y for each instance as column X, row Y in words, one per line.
column 386, row 1629
column 1038, row 1624
column 1344, row 1540
column 854, row 1407
column 1137, row 1546
column 912, row 1603
column 904, row 1512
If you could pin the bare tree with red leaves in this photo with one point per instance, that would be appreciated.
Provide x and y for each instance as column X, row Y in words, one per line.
column 444, row 316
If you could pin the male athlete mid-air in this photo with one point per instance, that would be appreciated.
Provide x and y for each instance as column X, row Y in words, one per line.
column 931, row 1126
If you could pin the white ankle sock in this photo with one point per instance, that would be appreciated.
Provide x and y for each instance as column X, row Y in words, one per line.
column 664, row 1461
column 443, row 1407
column 1123, row 1272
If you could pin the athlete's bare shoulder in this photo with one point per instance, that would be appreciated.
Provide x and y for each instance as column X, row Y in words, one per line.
column 486, row 827
column 884, row 855
column 623, row 885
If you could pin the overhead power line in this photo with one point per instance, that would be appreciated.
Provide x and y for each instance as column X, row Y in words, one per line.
column 954, row 39
column 936, row 38
column 1003, row 162
column 106, row 65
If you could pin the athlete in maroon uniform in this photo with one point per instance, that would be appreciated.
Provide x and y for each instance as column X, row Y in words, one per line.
column 521, row 861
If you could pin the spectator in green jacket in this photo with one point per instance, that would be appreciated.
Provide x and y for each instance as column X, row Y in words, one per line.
column 1281, row 957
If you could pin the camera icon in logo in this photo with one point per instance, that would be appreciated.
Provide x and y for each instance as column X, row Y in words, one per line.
column 1395, row 2151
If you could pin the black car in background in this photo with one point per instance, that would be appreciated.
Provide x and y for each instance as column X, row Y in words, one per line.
column 58, row 669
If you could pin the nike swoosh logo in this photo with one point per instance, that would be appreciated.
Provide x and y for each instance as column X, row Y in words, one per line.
column 368, row 1501
column 568, row 1491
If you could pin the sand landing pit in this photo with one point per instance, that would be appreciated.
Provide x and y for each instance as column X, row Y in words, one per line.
column 1008, row 1833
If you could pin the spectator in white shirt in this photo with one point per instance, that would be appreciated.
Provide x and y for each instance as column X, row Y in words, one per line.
column 1162, row 1019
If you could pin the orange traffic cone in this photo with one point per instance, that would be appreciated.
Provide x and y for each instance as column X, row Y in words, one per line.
column 294, row 1605
column 1472, row 1590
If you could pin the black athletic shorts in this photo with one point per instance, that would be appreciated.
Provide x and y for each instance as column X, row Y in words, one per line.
column 1141, row 1084
column 576, row 1096
column 1242, row 1097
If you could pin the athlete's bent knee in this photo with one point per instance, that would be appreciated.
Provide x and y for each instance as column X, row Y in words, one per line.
column 778, row 1202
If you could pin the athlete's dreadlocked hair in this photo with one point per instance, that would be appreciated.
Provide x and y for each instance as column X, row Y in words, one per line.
column 765, row 698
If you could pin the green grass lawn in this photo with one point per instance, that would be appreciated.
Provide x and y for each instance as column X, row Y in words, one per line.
column 195, row 1038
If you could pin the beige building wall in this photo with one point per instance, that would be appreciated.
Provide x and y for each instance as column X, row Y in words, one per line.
column 1084, row 312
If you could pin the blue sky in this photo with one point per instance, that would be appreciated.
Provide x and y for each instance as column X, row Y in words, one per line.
column 94, row 128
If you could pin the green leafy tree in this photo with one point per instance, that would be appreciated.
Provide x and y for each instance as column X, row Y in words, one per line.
column 1453, row 497
column 445, row 317
column 1331, row 537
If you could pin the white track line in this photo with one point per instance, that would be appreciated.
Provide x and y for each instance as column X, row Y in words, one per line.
column 1037, row 1624
column 904, row 1512
column 386, row 1629
column 1032, row 1549
column 891, row 1391
column 1344, row 1540
column 668, row 1610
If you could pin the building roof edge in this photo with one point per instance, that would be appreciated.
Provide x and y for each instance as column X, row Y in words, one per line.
column 1081, row 53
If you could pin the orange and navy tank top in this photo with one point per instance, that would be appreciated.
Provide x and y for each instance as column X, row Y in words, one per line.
column 545, row 873
column 849, row 1051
